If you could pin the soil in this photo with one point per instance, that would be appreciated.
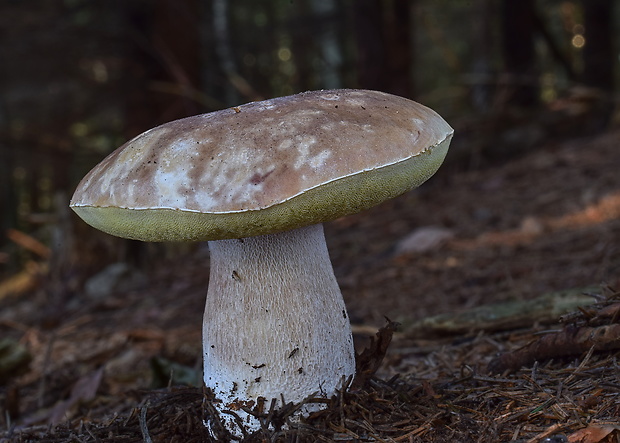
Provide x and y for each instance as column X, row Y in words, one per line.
column 120, row 366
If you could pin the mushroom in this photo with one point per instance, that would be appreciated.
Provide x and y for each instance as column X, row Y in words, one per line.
column 257, row 181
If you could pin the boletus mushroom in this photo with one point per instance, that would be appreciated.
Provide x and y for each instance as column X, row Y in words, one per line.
column 257, row 181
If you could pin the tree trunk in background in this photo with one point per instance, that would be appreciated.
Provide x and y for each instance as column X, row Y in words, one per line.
column 8, row 219
column 176, row 41
column 385, row 57
column 518, row 20
column 329, row 48
column 399, row 48
column 599, row 62
column 370, row 44
column 482, row 52
column 598, row 53
column 8, row 200
column 223, row 49
column 163, row 63
column 302, row 44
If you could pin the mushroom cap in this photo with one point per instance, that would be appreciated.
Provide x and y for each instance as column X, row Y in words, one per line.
column 264, row 167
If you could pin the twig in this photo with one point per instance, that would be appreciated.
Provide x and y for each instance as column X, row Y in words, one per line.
column 546, row 433
column 143, row 426
column 28, row 242
column 570, row 341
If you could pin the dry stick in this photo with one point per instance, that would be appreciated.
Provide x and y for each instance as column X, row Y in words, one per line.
column 549, row 431
column 145, row 431
column 28, row 242
column 582, row 365
column 420, row 430
column 570, row 341
column 90, row 432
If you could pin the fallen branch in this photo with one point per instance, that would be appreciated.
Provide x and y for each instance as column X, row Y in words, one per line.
column 572, row 340
column 504, row 316
column 28, row 242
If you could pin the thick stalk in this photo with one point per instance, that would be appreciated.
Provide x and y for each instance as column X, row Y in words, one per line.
column 275, row 322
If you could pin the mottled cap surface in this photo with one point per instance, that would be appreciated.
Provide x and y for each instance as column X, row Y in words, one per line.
column 264, row 167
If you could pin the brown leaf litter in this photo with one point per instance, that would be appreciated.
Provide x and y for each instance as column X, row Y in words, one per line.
column 551, row 399
column 546, row 222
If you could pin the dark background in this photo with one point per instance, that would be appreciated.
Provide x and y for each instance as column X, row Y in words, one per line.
column 80, row 77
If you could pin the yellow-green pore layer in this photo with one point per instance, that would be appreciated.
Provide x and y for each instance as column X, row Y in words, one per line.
column 337, row 198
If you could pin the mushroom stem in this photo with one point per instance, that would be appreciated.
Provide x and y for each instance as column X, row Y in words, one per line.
column 275, row 323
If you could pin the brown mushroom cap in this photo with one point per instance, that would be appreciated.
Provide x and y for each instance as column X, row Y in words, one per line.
column 264, row 167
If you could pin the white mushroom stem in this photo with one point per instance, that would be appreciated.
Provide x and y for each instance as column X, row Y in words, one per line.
column 275, row 323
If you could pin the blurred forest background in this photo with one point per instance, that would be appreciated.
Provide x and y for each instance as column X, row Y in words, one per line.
column 80, row 77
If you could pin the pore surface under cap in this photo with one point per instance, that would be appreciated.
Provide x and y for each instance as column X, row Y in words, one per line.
column 264, row 167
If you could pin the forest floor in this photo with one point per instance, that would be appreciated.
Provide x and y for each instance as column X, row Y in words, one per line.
column 473, row 265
